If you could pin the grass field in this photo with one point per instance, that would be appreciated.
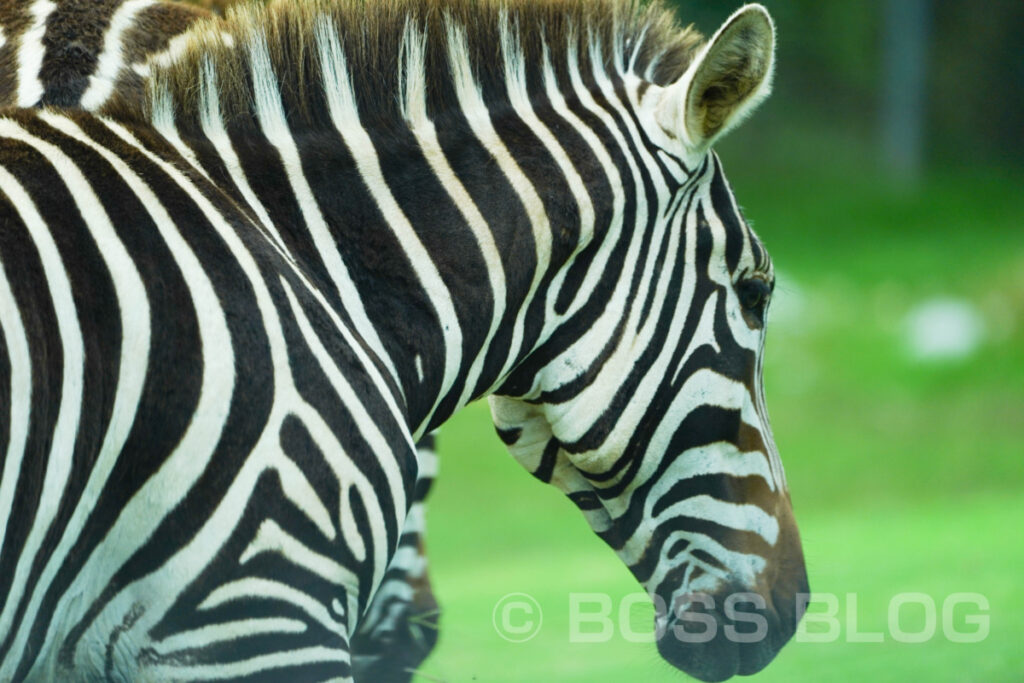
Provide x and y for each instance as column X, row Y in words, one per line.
column 907, row 475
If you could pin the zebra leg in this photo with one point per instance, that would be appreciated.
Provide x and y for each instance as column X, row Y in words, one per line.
column 400, row 627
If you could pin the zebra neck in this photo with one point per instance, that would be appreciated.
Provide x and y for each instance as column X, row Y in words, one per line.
column 431, row 267
column 438, row 236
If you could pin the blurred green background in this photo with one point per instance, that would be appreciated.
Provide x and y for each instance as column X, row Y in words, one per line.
column 895, row 364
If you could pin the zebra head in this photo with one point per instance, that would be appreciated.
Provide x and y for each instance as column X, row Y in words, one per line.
column 647, row 409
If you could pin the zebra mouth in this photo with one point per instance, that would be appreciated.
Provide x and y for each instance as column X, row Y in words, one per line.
column 713, row 637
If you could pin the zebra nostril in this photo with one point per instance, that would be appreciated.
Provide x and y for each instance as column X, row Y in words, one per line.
column 713, row 636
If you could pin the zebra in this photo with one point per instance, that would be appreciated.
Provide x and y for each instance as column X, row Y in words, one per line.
column 229, row 311
column 78, row 54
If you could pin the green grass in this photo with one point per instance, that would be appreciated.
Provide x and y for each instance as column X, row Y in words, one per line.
column 906, row 476
column 937, row 549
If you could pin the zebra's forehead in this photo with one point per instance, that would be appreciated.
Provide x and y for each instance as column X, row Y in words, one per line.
column 752, row 257
column 707, row 203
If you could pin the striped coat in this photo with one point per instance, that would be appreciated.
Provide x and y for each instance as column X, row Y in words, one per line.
column 229, row 312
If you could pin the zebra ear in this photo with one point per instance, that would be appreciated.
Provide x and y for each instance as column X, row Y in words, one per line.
column 729, row 77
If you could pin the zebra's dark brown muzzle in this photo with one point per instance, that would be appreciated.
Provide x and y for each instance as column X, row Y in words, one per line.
column 739, row 629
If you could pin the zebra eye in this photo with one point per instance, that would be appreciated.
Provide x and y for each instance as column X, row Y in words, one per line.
column 753, row 293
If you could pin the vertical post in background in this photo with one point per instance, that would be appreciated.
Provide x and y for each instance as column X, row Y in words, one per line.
column 905, row 56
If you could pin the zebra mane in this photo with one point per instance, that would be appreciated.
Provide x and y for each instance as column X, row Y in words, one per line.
column 397, row 59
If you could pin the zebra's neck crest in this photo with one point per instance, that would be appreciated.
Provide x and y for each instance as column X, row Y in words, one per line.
column 407, row 59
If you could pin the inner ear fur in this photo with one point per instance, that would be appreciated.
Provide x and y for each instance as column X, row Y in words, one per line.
column 728, row 78
column 731, row 74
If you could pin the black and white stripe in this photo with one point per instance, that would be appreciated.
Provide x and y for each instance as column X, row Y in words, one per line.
column 226, row 325
column 81, row 54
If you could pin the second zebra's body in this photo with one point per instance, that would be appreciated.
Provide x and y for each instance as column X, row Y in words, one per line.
column 230, row 310
column 78, row 53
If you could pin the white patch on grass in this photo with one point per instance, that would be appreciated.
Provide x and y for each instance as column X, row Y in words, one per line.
column 944, row 329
